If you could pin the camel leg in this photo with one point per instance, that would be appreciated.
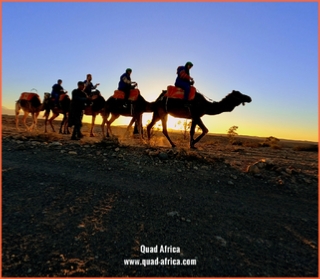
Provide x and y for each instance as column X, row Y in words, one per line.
column 64, row 125
column 25, row 119
column 112, row 119
column 164, row 119
column 192, row 130
column 130, row 125
column 104, row 121
column 139, row 123
column 46, row 116
column 154, row 120
column 92, row 124
column 53, row 117
column 17, row 115
column 45, row 123
column 35, row 120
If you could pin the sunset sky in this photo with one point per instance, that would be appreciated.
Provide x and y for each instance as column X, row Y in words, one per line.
column 268, row 51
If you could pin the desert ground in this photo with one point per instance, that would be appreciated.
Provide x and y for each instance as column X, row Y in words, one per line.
column 123, row 207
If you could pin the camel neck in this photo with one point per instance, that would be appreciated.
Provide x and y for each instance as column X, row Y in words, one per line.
column 225, row 105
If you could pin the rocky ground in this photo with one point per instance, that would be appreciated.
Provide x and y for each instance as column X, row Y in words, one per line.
column 83, row 208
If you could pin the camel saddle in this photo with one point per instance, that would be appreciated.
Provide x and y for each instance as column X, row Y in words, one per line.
column 178, row 93
column 134, row 94
column 62, row 96
column 28, row 96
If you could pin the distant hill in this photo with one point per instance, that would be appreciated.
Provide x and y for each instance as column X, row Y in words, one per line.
column 7, row 111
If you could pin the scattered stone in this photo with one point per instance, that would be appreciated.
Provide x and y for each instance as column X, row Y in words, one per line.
column 72, row 152
column 254, row 169
column 55, row 143
column 153, row 153
column 35, row 142
column 289, row 170
column 306, row 180
column 260, row 165
column 230, row 182
column 173, row 213
column 222, row 241
column 280, row 181
column 163, row 156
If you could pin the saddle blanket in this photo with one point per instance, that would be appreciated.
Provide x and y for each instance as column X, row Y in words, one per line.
column 134, row 94
column 28, row 96
column 61, row 97
column 178, row 93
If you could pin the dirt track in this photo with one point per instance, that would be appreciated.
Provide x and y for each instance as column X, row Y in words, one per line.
column 82, row 208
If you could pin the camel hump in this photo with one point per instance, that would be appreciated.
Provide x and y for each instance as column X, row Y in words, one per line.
column 134, row 94
column 28, row 96
column 178, row 93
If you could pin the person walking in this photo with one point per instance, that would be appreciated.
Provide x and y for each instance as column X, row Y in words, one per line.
column 78, row 101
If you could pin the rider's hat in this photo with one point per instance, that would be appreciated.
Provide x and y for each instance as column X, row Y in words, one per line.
column 189, row 63
column 128, row 70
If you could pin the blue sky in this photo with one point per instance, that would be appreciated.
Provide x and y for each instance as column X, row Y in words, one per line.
column 266, row 50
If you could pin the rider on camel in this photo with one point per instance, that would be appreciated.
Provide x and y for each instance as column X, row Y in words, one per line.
column 125, row 85
column 57, row 90
column 89, row 88
column 184, row 80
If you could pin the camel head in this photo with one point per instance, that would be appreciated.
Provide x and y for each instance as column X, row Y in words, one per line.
column 46, row 102
column 237, row 98
column 46, row 96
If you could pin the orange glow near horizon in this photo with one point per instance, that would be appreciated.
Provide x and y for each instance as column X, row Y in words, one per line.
column 177, row 124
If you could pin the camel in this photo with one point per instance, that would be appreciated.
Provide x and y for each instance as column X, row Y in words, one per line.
column 95, row 108
column 30, row 102
column 64, row 102
column 199, row 106
column 114, row 106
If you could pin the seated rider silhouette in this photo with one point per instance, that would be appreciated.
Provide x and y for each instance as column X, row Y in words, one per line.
column 89, row 88
column 57, row 90
column 183, row 80
column 125, row 85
